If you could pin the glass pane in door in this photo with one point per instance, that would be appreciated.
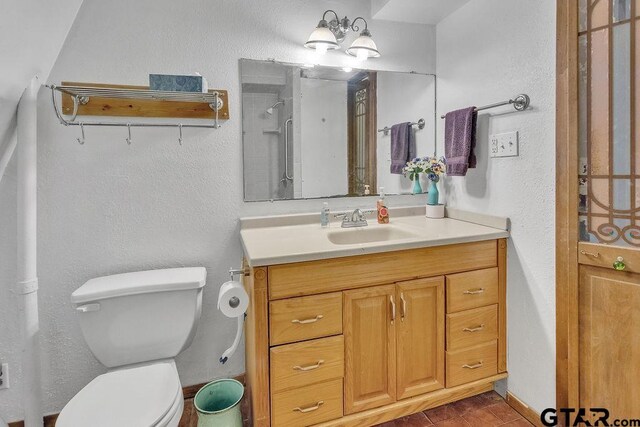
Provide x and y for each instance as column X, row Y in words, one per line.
column 609, row 122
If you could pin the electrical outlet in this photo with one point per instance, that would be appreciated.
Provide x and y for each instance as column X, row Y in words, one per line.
column 504, row 144
column 4, row 376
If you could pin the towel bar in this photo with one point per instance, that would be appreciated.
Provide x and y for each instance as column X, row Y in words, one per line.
column 420, row 123
column 520, row 103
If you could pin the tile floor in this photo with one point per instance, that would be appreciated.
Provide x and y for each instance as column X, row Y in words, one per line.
column 485, row 410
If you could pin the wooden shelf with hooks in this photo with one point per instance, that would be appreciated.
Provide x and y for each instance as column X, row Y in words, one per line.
column 140, row 101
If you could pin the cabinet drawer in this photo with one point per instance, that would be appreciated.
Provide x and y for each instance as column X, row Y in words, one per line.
column 472, row 289
column 300, row 319
column 472, row 327
column 472, row 363
column 296, row 365
column 307, row 405
column 363, row 271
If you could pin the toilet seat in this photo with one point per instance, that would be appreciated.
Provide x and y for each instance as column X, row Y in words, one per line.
column 144, row 395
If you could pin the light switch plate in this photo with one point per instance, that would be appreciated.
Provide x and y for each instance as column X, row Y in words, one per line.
column 504, row 144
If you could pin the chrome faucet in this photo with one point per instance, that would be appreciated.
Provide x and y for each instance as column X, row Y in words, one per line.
column 357, row 218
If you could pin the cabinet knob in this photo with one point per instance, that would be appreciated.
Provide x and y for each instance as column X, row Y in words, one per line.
column 619, row 264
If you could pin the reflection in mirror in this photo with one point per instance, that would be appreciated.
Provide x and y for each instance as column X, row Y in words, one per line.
column 312, row 131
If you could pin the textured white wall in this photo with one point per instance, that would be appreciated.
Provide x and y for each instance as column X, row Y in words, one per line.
column 489, row 51
column 106, row 207
column 31, row 35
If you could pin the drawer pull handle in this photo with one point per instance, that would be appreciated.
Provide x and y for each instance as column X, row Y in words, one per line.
column 393, row 309
column 476, row 329
column 310, row 408
column 307, row 321
column 404, row 306
column 309, row 367
column 476, row 366
column 593, row 254
column 474, row 291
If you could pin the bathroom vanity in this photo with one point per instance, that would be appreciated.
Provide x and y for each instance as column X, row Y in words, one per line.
column 354, row 327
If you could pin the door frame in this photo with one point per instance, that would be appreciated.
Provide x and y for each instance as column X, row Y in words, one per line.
column 567, row 233
column 570, row 252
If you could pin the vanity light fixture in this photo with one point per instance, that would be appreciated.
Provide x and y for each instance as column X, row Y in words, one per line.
column 329, row 35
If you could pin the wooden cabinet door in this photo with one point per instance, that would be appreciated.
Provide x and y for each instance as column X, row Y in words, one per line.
column 609, row 313
column 370, row 347
column 420, row 336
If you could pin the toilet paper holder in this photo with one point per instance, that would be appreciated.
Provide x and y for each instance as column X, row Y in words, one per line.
column 234, row 302
column 238, row 271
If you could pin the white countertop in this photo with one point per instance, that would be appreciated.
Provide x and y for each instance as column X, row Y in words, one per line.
column 287, row 239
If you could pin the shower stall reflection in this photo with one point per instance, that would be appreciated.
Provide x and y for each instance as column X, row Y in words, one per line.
column 266, row 113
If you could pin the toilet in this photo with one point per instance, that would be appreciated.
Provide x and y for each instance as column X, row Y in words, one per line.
column 135, row 324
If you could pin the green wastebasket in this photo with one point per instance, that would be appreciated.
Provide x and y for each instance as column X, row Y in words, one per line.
column 218, row 404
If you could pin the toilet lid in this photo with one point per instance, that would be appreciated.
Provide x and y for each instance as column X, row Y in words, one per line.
column 138, row 397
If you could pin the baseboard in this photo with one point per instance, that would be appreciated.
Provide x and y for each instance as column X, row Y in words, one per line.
column 523, row 409
column 49, row 421
column 188, row 391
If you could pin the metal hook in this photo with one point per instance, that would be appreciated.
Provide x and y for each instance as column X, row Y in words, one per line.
column 81, row 141
column 215, row 106
column 180, row 130
column 129, row 130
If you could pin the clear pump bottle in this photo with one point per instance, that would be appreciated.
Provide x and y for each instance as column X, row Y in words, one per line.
column 324, row 215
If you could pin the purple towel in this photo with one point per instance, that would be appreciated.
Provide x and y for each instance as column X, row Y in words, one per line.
column 460, row 140
column 403, row 146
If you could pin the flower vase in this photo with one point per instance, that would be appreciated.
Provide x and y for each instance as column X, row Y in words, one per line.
column 417, row 188
column 433, row 193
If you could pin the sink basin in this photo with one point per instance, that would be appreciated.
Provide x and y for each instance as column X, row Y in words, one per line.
column 355, row 236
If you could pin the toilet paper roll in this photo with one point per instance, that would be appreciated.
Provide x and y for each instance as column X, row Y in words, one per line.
column 232, row 299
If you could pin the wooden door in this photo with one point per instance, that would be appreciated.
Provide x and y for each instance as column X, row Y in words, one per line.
column 420, row 336
column 610, row 341
column 370, row 348
column 597, row 203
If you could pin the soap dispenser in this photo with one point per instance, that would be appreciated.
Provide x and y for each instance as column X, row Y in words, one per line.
column 383, row 212
column 324, row 215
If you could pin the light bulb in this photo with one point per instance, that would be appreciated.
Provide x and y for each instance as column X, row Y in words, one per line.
column 321, row 48
column 362, row 55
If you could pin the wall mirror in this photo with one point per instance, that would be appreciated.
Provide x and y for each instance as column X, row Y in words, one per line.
column 317, row 131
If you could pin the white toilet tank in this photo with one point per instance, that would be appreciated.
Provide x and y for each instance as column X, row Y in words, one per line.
column 141, row 316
